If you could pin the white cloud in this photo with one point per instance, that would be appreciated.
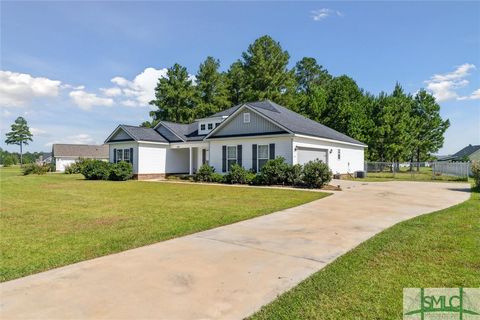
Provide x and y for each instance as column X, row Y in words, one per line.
column 18, row 89
column 111, row 92
column 322, row 14
column 86, row 100
column 474, row 96
column 139, row 91
column 82, row 138
column 37, row 131
column 444, row 86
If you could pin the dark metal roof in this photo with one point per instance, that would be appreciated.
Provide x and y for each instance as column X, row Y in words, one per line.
column 143, row 134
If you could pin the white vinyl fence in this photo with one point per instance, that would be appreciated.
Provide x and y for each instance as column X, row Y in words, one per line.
column 414, row 170
column 458, row 169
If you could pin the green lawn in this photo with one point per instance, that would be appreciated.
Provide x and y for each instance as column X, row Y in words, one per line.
column 441, row 249
column 57, row 219
column 424, row 174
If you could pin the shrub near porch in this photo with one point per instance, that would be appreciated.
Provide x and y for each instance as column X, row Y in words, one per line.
column 52, row 220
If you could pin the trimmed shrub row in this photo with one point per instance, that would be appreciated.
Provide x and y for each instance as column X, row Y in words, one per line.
column 313, row 174
column 101, row 170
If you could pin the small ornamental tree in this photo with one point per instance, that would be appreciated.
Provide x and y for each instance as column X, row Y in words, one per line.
column 20, row 135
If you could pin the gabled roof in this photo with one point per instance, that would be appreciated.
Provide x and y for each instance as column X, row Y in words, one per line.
column 139, row 133
column 80, row 151
column 187, row 132
column 468, row 150
column 292, row 121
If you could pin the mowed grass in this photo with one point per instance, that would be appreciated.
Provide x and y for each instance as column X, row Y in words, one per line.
column 441, row 249
column 57, row 219
column 424, row 174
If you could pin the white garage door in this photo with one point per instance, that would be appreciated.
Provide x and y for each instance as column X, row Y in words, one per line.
column 305, row 155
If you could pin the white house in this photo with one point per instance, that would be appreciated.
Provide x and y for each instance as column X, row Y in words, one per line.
column 64, row 155
column 248, row 134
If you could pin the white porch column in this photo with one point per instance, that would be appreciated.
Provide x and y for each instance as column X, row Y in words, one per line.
column 190, row 164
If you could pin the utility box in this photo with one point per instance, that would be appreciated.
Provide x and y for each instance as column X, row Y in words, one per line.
column 360, row 174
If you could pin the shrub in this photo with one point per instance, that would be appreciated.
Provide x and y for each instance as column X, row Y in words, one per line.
column 476, row 173
column 250, row 177
column 274, row 171
column 95, row 169
column 120, row 171
column 33, row 168
column 217, row 177
column 8, row 161
column 316, row 174
column 237, row 174
column 293, row 175
column 204, row 173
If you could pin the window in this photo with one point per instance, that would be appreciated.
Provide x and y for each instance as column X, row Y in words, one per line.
column 231, row 156
column 262, row 158
column 246, row 117
column 119, row 155
column 202, row 127
column 339, row 155
column 126, row 155
column 210, row 126
column 217, row 124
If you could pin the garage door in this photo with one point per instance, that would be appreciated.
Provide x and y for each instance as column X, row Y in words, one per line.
column 305, row 155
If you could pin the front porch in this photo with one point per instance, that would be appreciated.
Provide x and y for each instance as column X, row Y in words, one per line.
column 196, row 153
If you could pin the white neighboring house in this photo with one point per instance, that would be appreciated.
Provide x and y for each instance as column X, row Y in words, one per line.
column 64, row 155
column 248, row 134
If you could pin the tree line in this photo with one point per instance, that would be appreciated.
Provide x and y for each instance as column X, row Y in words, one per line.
column 396, row 126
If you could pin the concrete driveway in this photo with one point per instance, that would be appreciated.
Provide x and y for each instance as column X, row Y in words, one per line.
column 228, row 272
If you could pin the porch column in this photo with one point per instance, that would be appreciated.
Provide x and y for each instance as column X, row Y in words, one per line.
column 190, row 163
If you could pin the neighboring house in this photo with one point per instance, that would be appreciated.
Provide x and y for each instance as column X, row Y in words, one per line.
column 45, row 158
column 65, row 154
column 248, row 134
column 469, row 153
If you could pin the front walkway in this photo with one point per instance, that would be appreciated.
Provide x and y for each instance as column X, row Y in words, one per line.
column 227, row 272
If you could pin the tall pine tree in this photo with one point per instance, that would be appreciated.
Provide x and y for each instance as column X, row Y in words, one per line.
column 174, row 97
column 211, row 88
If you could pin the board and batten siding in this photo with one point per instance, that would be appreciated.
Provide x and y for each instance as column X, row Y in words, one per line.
column 351, row 157
column 257, row 125
column 283, row 148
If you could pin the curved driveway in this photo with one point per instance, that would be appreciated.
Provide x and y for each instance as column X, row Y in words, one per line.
column 227, row 272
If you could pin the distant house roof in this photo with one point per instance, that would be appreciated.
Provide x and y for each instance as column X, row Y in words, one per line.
column 460, row 155
column 292, row 121
column 167, row 131
column 80, row 151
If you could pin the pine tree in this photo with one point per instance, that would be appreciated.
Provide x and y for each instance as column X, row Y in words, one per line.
column 211, row 88
column 20, row 135
column 174, row 97
column 265, row 64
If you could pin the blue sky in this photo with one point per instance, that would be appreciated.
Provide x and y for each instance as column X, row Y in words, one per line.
column 75, row 70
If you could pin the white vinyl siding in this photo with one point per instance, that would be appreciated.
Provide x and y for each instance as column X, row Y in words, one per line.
column 351, row 157
column 283, row 148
